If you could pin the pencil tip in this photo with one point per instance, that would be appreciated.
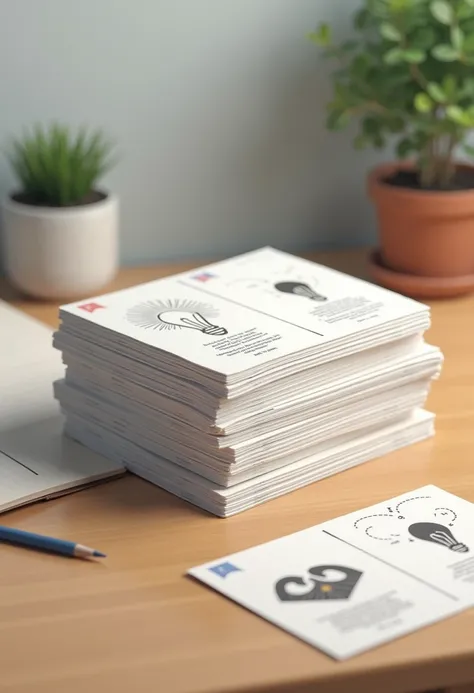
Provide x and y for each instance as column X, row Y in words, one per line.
column 99, row 554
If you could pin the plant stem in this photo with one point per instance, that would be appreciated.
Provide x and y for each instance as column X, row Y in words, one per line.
column 447, row 168
column 428, row 164
column 418, row 76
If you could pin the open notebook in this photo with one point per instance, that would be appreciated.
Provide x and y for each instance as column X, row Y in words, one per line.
column 36, row 460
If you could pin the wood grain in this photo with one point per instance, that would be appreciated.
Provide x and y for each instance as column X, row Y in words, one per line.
column 135, row 623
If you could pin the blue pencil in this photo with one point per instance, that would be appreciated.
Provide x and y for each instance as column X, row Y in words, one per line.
column 38, row 541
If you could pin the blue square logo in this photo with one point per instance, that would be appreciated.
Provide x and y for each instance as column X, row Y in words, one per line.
column 224, row 569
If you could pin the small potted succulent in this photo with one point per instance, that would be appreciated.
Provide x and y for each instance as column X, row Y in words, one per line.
column 60, row 229
column 408, row 80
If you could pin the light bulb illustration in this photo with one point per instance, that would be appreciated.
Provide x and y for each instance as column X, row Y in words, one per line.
column 193, row 321
column 299, row 289
column 174, row 314
column 437, row 534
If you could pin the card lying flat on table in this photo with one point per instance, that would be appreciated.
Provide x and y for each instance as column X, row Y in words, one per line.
column 353, row 583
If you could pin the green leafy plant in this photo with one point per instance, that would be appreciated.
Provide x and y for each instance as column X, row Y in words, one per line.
column 409, row 74
column 57, row 168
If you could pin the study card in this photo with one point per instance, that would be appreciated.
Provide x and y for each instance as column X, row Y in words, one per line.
column 354, row 583
column 241, row 313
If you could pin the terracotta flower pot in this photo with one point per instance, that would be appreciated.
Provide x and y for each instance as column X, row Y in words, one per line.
column 423, row 233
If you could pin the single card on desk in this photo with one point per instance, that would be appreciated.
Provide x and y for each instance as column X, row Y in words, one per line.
column 343, row 599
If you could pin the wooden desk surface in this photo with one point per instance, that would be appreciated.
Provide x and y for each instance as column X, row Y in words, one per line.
column 135, row 625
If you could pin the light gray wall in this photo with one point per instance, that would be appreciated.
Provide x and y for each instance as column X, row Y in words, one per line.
column 218, row 109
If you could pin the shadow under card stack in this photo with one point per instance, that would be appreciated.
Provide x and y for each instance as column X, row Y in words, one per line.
column 246, row 379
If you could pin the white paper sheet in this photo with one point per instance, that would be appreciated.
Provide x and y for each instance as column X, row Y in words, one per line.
column 36, row 459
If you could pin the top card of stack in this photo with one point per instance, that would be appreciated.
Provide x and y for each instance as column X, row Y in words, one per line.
column 206, row 337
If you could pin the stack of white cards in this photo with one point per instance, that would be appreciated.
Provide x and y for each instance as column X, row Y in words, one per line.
column 246, row 379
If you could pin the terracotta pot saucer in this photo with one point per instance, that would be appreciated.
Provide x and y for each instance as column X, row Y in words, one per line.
column 416, row 286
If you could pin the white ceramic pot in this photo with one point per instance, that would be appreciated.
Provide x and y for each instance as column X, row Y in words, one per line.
column 61, row 253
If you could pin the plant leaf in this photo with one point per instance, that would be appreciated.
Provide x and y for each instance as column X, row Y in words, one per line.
column 442, row 11
column 322, row 35
column 390, row 32
column 405, row 147
column 56, row 169
column 371, row 126
column 445, row 53
column 457, row 37
column 414, row 56
column 395, row 124
column 469, row 149
column 459, row 116
column 360, row 142
column 423, row 38
column 337, row 120
column 423, row 103
column 393, row 57
column 399, row 5
column 362, row 19
column 468, row 43
column 450, row 87
column 436, row 92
